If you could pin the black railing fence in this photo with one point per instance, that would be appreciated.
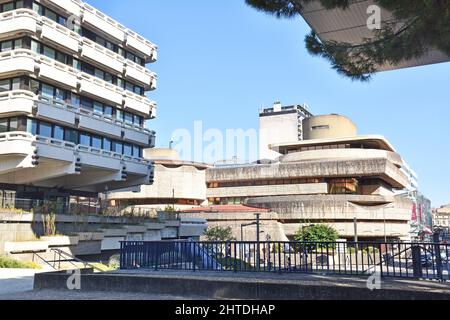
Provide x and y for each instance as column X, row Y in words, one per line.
column 404, row 260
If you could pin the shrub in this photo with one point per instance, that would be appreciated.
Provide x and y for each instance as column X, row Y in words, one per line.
column 8, row 263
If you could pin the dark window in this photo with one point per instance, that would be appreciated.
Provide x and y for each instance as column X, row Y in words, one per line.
column 45, row 129
column 3, row 125
column 71, row 135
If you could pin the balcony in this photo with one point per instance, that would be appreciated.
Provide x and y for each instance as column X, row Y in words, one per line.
column 58, row 34
column 138, row 43
column 16, row 21
column 141, row 74
column 103, row 23
column 100, row 89
column 66, row 165
column 16, row 102
column 17, row 62
column 139, row 104
column 73, row 7
column 100, row 55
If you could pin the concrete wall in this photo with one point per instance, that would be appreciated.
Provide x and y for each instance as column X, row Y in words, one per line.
column 328, row 126
column 275, row 129
column 268, row 190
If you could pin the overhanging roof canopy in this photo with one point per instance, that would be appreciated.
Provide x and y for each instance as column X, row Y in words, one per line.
column 350, row 26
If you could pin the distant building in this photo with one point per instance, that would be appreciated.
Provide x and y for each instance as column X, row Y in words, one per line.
column 441, row 217
column 279, row 125
column 332, row 177
column 178, row 184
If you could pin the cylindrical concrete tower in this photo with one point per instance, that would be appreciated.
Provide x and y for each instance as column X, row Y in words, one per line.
column 328, row 126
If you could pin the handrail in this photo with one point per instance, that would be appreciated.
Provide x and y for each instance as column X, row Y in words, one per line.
column 45, row 261
column 62, row 253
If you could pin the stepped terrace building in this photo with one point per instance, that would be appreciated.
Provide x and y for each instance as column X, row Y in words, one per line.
column 73, row 103
column 333, row 176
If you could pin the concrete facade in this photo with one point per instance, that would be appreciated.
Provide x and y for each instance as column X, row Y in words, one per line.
column 441, row 217
column 178, row 184
column 332, row 178
column 73, row 102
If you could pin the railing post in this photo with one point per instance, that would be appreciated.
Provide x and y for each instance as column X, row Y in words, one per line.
column 416, row 259
column 437, row 253
column 194, row 258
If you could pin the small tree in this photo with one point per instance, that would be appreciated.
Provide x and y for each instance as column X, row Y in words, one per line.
column 219, row 234
column 317, row 233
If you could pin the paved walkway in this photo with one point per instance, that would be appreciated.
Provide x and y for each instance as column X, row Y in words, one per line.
column 16, row 280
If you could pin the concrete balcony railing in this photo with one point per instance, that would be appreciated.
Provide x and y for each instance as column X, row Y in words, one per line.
column 141, row 74
column 140, row 104
column 16, row 143
column 28, row 21
column 58, row 34
column 106, row 24
column 16, row 102
column 99, row 54
column 103, row 23
column 17, row 21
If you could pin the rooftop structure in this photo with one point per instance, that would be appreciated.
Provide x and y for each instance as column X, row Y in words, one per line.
column 280, row 124
column 73, row 103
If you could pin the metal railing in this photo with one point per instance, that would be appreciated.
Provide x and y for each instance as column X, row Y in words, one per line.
column 403, row 260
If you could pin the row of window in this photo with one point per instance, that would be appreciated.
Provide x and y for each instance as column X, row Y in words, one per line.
column 249, row 183
column 52, row 15
column 68, row 97
column 46, row 129
column 39, row 48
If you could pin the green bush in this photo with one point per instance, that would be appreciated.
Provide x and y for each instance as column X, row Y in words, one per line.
column 8, row 263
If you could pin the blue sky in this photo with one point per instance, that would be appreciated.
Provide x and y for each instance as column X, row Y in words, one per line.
column 220, row 61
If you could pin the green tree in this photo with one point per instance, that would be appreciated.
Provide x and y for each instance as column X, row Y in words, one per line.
column 219, row 234
column 424, row 25
column 317, row 233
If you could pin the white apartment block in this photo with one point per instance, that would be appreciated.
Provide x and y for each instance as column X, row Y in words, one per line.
column 73, row 105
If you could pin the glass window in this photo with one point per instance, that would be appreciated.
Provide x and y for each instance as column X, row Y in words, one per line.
column 108, row 77
column 71, row 135
column 110, row 46
column 100, row 41
column 49, row 52
column 3, row 125
column 62, row 20
column 119, row 115
column 19, row 4
column 137, row 120
column 51, row 15
column 129, row 86
column 4, row 85
column 108, row 111
column 128, row 150
column 136, row 151
column 7, row 45
column 128, row 117
column 17, row 43
column 75, row 100
column 60, row 95
column 32, row 126
column 35, row 46
column 58, row 133
column 76, row 64
column 96, row 142
column 61, row 57
column 15, row 84
column 47, row 91
column 8, row 6
column 34, row 86
column 85, row 139
column 98, row 108
column 87, row 103
column 117, row 147
column 107, row 144
column 99, row 74
column 45, row 129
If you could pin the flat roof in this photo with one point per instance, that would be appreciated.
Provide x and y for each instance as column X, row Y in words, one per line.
column 350, row 26
column 378, row 142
